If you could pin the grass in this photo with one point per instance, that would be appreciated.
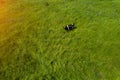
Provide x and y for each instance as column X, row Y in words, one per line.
column 34, row 45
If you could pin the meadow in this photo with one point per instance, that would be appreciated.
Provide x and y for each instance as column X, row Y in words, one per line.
column 35, row 46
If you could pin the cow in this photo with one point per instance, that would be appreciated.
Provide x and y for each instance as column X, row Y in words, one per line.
column 69, row 27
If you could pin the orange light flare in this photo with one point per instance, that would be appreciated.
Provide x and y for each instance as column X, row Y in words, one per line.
column 2, row 1
column 2, row 4
column 9, row 15
column 3, row 17
column 3, row 10
column 6, row 12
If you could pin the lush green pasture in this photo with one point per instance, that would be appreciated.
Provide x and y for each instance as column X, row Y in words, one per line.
column 34, row 45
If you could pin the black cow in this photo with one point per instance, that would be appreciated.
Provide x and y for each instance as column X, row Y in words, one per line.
column 70, row 27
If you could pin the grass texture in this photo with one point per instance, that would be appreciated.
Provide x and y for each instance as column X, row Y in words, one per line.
column 34, row 45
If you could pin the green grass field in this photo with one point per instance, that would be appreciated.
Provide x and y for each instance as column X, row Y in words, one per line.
column 35, row 46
